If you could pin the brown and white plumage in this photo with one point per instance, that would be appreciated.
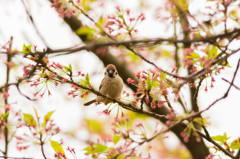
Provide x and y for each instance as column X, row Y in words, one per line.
column 111, row 85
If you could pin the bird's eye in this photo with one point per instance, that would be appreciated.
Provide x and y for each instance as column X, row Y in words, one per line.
column 105, row 73
column 116, row 73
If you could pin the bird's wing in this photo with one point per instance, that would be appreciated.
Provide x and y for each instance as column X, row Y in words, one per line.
column 101, row 85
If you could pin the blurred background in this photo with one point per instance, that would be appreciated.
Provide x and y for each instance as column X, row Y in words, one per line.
column 79, row 125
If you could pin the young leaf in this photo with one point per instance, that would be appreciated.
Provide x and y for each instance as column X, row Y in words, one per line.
column 5, row 116
column 94, row 126
column 149, row 82
column 47, row 117
column 88, row 149
column 99, row 148
column 95, row 148
column 86, row 31
column 70, row 67
column 67, row 69
column 26, row 49
column 132, row 56
column 235, row 144
column 57, row 147
column 212, row 53
column 86, row 81
column 121, row 157
column 116, row 138
column 28, row 118
column 101, row 21
column 194, row 55
column 36, row 113
column 221, row 138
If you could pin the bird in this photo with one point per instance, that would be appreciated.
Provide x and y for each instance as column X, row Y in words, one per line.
column 111, row 86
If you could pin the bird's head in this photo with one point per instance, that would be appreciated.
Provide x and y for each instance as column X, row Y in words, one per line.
column 111, row 71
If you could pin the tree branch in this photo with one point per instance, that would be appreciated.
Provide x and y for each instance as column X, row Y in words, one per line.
column 34, row 25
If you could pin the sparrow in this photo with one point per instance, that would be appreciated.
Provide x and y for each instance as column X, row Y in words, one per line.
column 111, row 85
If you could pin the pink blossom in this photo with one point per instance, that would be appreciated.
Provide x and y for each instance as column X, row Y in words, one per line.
column 138, row 74
column 153, row 105
column 118, row 9
column 209, row 156
column 127, row 11
column 7, row 107
column 139, row 125
column 187, row 51
column 64, row 80
column 132, row 19
column 50, row 76
column 5, row 95
column 129, row 80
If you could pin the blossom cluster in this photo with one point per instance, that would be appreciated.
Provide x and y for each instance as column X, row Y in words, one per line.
column 63, row 8
column 123, row 22
column 152, row 87
column 38, row 131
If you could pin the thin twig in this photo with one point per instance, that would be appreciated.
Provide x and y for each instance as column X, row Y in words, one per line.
column 155, row 41
column 34, row 25
column 209, row 139
column 41, row 144
column 195, row 96
column 95, row 23
column 230, row 83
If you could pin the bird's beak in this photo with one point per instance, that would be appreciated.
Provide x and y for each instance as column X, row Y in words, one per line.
column 110, row 73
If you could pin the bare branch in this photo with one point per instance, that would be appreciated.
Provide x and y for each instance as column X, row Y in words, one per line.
column 209, row 139
column 34, row 25
column 230, row 83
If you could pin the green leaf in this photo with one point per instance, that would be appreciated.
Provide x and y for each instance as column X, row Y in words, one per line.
column 235, row 144
column 86, row 31
column 96, row 148
column 101, row 21
column 120, row 16
column 132, row 56
column 221, row 138
column 57, row 147
column 149, row 82
column 28, row 118
column 67, row 69
column 162, row 75
column 99, row 148
column 225, row 63
column 36, row 113
column 70, row 67
column 212, row 53
column 194, row 55
column 88, row 149
column 94, row 126
column 166, row 53
column 26, row 49
column 47, row 117
column 116, row 138
column 121, row 157
column 5, row 116
column 86, row 81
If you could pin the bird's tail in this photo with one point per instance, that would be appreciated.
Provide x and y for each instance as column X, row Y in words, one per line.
column 90, row 102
